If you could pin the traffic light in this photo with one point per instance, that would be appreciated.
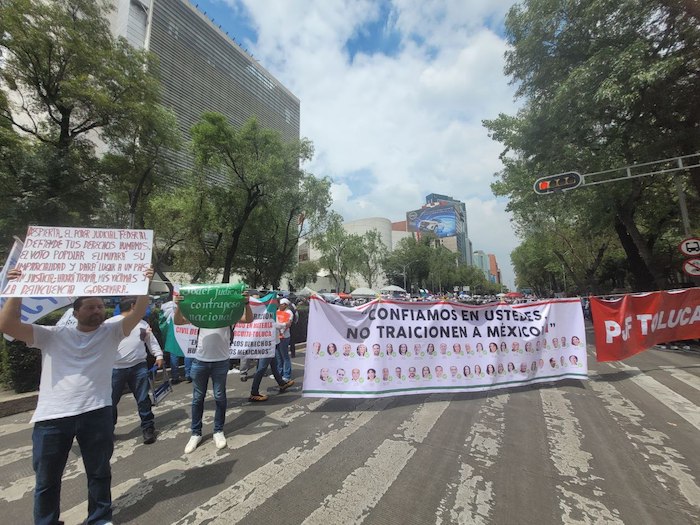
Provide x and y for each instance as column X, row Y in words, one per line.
column 555, row 183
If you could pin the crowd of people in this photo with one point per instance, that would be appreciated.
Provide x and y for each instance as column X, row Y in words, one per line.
column 85, row 367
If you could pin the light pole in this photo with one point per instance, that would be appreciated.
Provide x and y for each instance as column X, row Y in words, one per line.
column 405, row 266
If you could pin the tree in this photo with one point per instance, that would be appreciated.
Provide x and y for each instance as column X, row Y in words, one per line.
column 182, row 218
column 605, row 84
column 269, row 242
column 305, row 272
column 408, row 263
column 256, row 165
column 371, row 256
column 339, row 251
column 67, row 77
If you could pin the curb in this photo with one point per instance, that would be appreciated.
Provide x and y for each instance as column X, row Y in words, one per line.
column 18, row 403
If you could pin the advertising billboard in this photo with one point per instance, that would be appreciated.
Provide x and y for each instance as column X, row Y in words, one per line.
column 440, row 220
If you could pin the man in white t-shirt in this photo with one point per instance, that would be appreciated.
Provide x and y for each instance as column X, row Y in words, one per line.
column 131, row 367
column 210, row 361
column 75, row 398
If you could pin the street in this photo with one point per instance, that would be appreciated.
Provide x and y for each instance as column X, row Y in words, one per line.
column 623, row 447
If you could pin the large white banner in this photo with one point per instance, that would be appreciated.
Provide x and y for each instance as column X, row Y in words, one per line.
column 386, row 348
column 257, row 339
column 72, row 262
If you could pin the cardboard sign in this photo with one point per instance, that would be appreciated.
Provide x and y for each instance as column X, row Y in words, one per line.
column 73, row 262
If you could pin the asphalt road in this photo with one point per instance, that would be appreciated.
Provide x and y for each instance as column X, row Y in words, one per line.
column 623, row 447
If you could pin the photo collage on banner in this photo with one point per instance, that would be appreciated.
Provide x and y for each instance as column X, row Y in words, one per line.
column 388, row 348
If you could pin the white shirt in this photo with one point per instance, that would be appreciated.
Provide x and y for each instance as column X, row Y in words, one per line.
column 131, row 349
column 213, row 344
column 76, row 369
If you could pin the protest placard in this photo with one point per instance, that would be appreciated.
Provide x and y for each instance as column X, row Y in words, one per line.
column 71, row 262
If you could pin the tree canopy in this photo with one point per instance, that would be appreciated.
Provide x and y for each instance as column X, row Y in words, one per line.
column 605, row 84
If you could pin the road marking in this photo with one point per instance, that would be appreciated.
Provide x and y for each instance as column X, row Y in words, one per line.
column 682, row 375
column 125, row 494
column 573, row 464
column 366, row 485
column 679, row 404
column 234, row 503
column 661, row 458
column 473, row 494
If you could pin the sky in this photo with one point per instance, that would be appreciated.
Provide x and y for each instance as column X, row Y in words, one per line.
column 392, row 94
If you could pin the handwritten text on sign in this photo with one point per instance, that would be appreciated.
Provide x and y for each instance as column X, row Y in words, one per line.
column 57, row 261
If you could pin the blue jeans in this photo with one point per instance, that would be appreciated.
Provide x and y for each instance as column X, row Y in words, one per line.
column 201, row 372
column 52, row 441
column 260, row 372
column 188, row 366
column 284, row 362
column 137, row 379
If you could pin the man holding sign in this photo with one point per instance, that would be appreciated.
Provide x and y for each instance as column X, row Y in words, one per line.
column 211, row 360
column 75, row 397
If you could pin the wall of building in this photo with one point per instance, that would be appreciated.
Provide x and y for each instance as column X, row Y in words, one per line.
column 202, row 69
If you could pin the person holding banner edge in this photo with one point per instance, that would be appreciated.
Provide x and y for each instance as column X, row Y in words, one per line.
column 75, row 398
column 211, row 360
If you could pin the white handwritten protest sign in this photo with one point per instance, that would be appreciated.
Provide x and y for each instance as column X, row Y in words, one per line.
column 33, row 308
column 71, row 262
column 387, row 348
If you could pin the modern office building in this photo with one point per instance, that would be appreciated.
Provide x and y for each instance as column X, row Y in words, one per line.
column 446, row 218
column 481, row 261
column 203, row 69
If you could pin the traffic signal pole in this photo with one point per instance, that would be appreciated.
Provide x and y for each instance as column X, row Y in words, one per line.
column 572, row 179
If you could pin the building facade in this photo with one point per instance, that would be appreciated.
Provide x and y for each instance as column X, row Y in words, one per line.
column 446, row 218
column 202, row 69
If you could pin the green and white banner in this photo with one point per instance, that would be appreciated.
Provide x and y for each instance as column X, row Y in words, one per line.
column 213, row 305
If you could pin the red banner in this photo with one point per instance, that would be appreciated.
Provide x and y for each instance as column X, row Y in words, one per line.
column 627, row 325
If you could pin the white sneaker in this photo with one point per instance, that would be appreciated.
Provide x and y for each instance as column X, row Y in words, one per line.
column 219, row 439
column 192, row 443
column 234, row 371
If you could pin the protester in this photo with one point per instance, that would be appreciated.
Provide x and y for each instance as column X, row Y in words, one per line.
column 211, row 360
column 295, row 322
column 75, row 398
column 263, row 363
column 247, row 364
column 284, row 362
column 131, row 368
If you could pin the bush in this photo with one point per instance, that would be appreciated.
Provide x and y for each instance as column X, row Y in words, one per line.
column 23, row 364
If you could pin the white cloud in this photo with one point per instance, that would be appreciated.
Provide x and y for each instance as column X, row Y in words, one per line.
column 412, row 121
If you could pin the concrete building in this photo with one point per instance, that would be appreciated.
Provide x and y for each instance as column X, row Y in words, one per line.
column 203, row 69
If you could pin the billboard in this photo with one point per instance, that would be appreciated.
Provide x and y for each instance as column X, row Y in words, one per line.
column 439, row 220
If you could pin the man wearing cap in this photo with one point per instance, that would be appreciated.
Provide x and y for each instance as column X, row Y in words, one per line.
column 284, row 362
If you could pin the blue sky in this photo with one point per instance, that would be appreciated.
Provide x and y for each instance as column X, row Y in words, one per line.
column 393, row 93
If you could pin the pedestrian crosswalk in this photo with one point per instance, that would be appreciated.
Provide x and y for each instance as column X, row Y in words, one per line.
column 619, row 448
